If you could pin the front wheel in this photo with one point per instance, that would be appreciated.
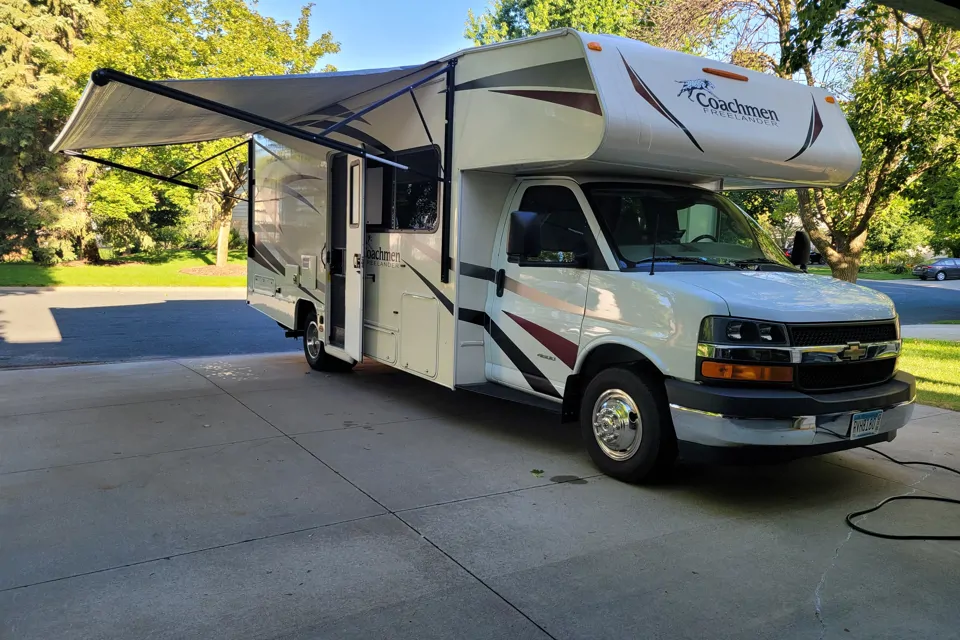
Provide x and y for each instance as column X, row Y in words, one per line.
column 313, row 349
column 941, row 276
column 626, row 426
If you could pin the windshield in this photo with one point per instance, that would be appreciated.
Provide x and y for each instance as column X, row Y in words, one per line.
column 689, row 224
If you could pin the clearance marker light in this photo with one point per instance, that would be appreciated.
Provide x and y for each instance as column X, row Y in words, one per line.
column 726, row 74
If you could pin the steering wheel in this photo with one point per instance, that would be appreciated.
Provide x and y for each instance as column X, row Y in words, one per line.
column 704, row 236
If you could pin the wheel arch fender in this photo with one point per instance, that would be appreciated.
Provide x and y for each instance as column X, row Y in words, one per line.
column 302, row 312
column 599, row 355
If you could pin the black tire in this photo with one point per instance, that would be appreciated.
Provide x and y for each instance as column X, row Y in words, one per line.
column 314, row 352
column 654, row 454
column 941, row 276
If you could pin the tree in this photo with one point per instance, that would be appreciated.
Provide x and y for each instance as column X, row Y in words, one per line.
column 899, row 114
column 684, row 25
column 169, row 39
column 936, row 205
column 38, row 39
column 774, row 209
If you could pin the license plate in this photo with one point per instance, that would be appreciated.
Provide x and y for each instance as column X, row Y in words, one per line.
column 865, row 424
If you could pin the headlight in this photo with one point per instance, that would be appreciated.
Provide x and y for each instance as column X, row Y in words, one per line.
column 742, row 331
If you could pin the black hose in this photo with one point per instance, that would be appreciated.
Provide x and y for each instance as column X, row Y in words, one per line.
column 891, row 536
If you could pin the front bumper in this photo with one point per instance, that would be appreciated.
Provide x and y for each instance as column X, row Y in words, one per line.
column 728, row 422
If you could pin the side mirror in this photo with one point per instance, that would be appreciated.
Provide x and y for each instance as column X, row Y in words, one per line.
column 523, row 235
column 800, row 254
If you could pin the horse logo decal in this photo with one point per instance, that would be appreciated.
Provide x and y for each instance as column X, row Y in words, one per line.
column 701, row 84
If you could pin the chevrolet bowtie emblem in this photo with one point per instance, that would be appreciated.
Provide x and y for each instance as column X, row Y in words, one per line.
column 853, row 352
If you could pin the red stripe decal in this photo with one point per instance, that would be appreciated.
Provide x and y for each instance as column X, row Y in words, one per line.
column 583, row 101
column 556, row 344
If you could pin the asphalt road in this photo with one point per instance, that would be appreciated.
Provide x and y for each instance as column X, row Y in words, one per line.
column 73, row 325
column 921, row 302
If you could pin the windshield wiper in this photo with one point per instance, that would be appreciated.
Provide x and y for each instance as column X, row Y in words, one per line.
column 758, row 261
column 686, row 259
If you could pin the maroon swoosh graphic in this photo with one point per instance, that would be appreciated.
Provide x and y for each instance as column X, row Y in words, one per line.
column 817, row 123
column 813, row 131
column 641, row 88
column 556, row 344
column 583, row 101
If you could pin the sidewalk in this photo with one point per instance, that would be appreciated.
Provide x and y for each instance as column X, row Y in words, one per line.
column 931, row 331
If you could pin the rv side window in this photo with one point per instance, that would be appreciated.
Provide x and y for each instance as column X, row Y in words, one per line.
column 564, row 233
column 408, row 199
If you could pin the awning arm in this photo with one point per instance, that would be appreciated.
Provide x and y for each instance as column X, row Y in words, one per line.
column 103, row 77
column 139, row 172
column 148, row 174
column 194, row 166
column 379, row 103
column 447, row 172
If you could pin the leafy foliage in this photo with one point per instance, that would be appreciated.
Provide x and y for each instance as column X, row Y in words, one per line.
column 164, row 39
column 38, row 39
column 685, row 25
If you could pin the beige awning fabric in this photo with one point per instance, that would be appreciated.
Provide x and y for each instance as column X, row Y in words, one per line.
column 117, row 115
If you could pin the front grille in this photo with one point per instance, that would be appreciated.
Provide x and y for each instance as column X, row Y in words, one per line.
column 823, row 377
column 815, row 335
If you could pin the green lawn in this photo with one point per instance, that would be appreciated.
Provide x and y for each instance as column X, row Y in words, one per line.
column 936, row 364
column 946, row 322
column 145, row 270
column 864, row 275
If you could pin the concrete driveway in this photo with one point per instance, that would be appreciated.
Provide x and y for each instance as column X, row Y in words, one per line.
column 248, row 497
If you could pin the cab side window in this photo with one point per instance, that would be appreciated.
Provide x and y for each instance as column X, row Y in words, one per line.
column 565, row 236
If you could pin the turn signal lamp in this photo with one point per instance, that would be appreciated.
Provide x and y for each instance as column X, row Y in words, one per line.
column 831, row 99
column 594, row 46
column 747, row 372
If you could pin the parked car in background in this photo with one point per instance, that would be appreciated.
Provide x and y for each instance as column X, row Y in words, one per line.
column 938, row 268
column 815, row 257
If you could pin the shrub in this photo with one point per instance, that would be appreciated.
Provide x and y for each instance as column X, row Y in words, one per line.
column 45, row 256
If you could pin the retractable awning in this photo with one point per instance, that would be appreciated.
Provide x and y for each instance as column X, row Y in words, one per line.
column 119, row 115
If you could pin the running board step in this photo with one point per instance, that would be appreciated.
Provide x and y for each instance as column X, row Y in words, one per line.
column 513, row 395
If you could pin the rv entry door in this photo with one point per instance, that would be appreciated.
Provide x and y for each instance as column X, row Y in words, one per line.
column 353, row 312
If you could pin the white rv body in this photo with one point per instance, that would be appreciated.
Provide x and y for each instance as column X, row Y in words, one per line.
column 562, row 120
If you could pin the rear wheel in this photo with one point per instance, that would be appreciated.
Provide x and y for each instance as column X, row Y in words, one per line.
column 941, row 276
column 626, row 427
column 313, row 349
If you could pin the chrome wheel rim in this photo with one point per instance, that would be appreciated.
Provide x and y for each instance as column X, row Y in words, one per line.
column 312, row 340
column 941, row 276
column 617, row 426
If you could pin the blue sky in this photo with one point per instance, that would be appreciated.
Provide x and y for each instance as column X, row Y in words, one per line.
column 383, row 33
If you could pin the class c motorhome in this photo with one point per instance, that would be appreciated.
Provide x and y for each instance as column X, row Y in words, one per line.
column 542, row 220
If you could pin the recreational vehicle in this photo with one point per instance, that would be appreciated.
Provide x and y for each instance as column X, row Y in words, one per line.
column 542, row 220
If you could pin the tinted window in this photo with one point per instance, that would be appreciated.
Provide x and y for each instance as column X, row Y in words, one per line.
column 410, row 197
column 564, row 232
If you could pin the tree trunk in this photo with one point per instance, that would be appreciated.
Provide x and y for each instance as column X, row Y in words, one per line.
column 223, row 242
column 846, row 269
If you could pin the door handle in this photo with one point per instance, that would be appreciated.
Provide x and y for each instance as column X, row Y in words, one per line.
column 499, row 280
column 356, row 261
